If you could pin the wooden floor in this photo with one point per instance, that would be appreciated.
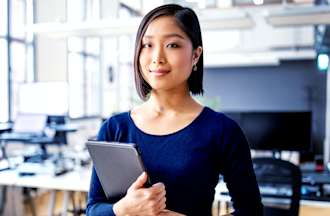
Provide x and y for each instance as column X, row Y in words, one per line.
column 305, row 210
column 311, row 211
column 41, row 204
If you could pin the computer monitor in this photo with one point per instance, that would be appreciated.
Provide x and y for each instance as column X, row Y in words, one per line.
column 30, row 123
column 276, row 131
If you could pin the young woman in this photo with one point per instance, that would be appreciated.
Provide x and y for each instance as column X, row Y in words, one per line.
column 184, row 146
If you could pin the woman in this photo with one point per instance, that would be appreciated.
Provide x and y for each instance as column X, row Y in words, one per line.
column 184, row 146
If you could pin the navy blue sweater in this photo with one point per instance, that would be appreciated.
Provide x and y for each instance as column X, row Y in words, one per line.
column 188, row 162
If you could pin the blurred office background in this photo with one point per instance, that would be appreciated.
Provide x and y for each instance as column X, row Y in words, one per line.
column 71, row 61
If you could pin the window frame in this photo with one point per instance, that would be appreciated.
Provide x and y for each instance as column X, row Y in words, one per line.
column 11, row 107
column 85, row 54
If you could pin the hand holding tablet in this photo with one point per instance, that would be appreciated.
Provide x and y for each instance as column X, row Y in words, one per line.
column 117, row 165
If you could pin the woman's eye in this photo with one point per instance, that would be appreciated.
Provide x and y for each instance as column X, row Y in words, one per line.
column 146, row 45
column 172, row 45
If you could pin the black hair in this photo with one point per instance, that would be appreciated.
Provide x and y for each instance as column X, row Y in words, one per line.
column 187, row 20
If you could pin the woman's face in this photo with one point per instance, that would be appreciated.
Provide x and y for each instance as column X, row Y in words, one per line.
column 167, row 56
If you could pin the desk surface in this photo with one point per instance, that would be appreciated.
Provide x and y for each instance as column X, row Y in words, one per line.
column 77, row 180
column 221, row 194
column 316, row 177
column 69, row 127
column 5, row 127
column 64, row 127
column 10, row 137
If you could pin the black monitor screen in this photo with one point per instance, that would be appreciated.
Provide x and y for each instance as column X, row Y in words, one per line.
column 276, row 130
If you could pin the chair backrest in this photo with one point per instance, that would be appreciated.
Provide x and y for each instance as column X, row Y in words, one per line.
column 276, row 172
column 60, row 137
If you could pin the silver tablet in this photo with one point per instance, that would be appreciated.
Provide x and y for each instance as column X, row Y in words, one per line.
column 117, row 165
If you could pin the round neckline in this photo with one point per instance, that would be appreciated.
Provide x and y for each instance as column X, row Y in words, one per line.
column 169, row 134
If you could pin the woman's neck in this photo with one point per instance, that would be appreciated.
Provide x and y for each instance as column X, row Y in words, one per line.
column 171, row 102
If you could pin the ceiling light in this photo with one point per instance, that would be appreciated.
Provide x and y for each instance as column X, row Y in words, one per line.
column 254, row 58
column 258, row 2
column 299, row 15
column 219, row 24
column 239, row 60
column 323, row 62
column 222, row 19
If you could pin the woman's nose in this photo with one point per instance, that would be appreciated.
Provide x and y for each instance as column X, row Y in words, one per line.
column 158, row 56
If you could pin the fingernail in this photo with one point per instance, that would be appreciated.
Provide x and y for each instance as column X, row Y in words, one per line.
column 159, row 184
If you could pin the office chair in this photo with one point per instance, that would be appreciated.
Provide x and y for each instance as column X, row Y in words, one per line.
column 278, row 174
column 60, row 137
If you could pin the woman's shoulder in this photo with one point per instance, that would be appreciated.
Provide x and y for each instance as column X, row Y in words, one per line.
column 219, row 119
column 115, row 120
column 111, row 126
column 217, row 115
column 119, row 116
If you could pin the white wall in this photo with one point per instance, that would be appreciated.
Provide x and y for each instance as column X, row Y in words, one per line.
column 51, row 53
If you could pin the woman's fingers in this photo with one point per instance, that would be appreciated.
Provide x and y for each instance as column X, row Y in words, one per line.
column 147, row 201
column 139, row 182
column 161, row 204
column 157, row 188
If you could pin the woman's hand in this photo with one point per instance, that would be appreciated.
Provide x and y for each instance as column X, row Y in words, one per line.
column 142, row 201
column 169, row 213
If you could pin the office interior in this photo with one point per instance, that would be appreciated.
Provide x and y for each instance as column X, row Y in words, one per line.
column 66, row 66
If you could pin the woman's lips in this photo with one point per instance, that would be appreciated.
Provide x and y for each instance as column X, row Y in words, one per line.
column 159, row 72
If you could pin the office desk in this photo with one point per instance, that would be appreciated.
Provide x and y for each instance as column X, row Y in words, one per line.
column 313, row 185
column 223, row 199
column 77, row 180
column 57, row 127
column 316, row 177
column 4, row 139
column 64, row 127
column 4, row 127
column 74, row 181
column 59, row 138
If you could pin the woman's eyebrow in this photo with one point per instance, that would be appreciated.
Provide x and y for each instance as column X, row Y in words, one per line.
column 165, row 36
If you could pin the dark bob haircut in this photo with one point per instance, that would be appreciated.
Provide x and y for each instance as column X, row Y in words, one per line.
column 187, row 20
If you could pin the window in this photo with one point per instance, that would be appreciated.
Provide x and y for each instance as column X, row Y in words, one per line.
column 75, row 10
column 76, row 81
column 21, row 49
column 84, row 62
column 17, row 18
column 18, row 62
column 3, row 18
column 4, row 93
column 17, row 53
column 4, row 105
column 92, row 86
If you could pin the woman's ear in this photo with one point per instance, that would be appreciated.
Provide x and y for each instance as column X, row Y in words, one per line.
column 196, row 54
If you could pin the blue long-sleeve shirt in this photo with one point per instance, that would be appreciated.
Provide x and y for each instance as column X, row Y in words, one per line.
column 188, row 162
